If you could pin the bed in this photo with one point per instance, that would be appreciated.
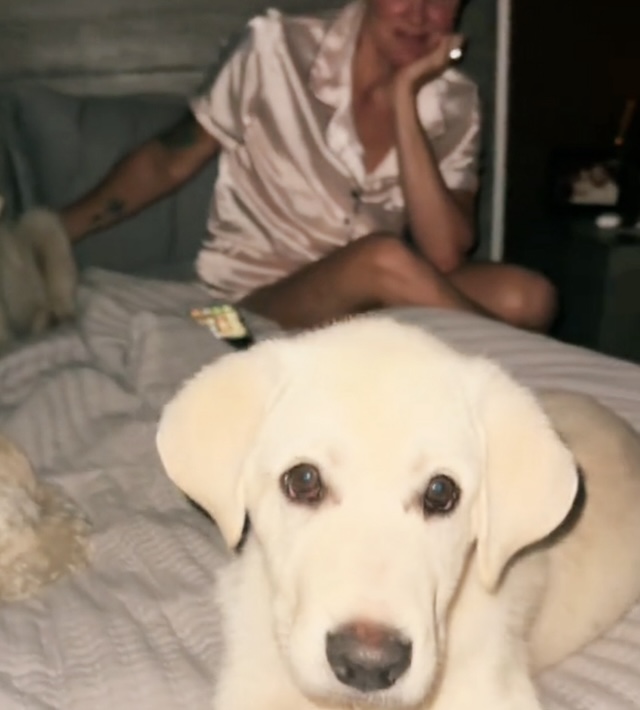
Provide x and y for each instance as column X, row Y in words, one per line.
column 138, row 628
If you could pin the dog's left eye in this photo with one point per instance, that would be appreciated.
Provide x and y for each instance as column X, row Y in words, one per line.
column 303, row 484
column 441, row 496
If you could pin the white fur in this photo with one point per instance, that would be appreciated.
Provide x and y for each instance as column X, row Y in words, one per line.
column 37, row 275
column 485, row 594
column 43, row 535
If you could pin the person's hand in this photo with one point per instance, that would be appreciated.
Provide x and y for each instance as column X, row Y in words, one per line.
column 411, row 78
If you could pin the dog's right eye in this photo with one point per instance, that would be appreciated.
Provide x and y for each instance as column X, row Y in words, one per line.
column 303, row 484
column 441, row 496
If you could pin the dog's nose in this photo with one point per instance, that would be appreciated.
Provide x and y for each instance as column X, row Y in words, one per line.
column 367, row 656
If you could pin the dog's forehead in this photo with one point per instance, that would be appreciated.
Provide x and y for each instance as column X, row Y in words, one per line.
column 400, row 398
column 412, row 367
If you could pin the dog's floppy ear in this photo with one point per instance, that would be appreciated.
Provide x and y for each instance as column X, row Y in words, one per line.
column 205, row 433
column 530, row 480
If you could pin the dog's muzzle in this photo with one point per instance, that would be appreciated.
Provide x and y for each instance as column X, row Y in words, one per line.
column 366, row 656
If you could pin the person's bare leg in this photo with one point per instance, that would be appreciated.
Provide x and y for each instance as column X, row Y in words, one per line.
column 376, row 271
column 513, row 294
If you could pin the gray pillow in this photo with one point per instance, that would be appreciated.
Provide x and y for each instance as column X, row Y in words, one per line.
column 69, row 143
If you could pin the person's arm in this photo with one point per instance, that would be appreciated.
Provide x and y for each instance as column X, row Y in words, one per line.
column 155, row 169
column 440, row 219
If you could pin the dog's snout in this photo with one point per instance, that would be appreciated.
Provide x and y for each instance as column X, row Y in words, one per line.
column 367, row 656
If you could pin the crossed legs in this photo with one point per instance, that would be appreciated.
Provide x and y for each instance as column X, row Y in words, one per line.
column 380, row 270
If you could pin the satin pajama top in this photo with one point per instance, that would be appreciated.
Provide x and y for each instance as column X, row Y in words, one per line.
column 292, row 186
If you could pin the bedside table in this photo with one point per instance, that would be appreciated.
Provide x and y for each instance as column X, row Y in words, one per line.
column 600, row 290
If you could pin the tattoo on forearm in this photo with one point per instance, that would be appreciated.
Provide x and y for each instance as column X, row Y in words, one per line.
column 113, row 209
column 183, row 135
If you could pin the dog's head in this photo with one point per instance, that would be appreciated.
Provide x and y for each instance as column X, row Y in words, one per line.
column 372, row 460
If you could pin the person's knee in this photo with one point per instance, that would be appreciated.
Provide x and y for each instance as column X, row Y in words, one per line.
column 389, row 262
column 530, row 301
column 546, row 304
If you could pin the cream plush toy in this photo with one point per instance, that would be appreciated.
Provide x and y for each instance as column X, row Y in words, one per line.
column 43, row 535
column 38, row 274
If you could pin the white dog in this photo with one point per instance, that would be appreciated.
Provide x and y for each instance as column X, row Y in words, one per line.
column 38, row 275
column 420, row 534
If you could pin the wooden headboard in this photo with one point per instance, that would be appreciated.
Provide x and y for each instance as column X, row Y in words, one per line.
column 121, row 46
column 124, row 46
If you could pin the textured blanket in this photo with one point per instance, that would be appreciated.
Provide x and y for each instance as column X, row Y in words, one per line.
column 138, row 629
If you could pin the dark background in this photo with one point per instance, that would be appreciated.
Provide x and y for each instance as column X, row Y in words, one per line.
column 574, row 62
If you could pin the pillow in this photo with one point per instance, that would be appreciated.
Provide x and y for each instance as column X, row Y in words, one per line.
column 69, row 143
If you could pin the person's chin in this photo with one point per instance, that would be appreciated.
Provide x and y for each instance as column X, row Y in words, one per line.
column 403, row 57
column 409, row 51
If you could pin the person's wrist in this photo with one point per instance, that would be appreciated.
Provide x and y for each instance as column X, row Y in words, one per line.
column 404, row 89
column 73, row 224
column 404, row 105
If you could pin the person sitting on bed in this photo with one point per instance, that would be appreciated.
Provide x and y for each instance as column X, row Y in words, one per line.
column 336, row 136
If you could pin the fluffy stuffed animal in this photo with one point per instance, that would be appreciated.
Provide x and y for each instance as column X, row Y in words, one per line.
column 38, row 275
column 43, row 535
